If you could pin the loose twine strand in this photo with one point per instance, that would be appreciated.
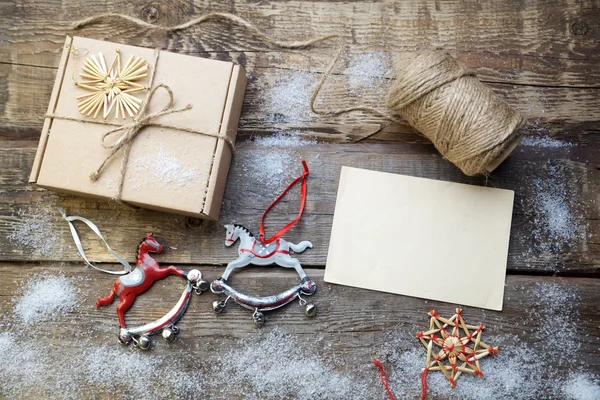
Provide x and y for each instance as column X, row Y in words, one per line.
column 201, row 19
column 436, row 94
column 252, row 28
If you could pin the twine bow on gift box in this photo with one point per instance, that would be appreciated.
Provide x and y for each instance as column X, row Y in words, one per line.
column 131, row 130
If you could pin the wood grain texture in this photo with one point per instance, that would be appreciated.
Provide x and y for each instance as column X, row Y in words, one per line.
column 566, row 112
column 246, row 196
column 353, row 325
column 542, row 57
column 533, row 55
column 519, row 34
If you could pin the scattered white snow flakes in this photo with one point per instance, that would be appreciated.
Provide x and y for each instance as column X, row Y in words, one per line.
column 508, row 375
column 267, row 169
column 44, row 297
column 279, row 367
column 287, row 97
column 39, row 363
column 367, row 73
column 543, row 142
column 553, row 212
column 164, row 167
column 112, row 369
column 31, row 369
column 275, row 162
column 289, row 140
column 582, row 387
column 518, row 372
column 33, row 230
column 21, row 367
column 556, row 310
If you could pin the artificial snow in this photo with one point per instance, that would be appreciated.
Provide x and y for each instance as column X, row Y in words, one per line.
column 162, row 167
column 582, row 387
column 275, row 365
column 34, row 369
column 553, row 212
column 367, row 76
column 531, row 370
column 275, row 161
column 287, row 97
column 556, row 302
column 278, row 366
column 32, row 229
column 140, row 375
column 44, row 297
column 505, row 376
column 543, row 141
column 292, row 139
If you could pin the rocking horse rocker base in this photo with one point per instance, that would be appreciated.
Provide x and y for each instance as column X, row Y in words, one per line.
column 141, row 335
column 251, row 251
column 136, row 282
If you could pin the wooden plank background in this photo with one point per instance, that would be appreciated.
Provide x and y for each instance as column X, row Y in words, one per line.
column 542, row 57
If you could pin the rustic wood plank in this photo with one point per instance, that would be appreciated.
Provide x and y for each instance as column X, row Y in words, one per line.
column 566, row 113
column 566, row 187
column 542, row 58
column 554, row 103
column 353, row 326
column 551, row 43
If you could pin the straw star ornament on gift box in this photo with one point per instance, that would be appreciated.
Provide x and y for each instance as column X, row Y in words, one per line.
column 111, row 87
column 468, row 349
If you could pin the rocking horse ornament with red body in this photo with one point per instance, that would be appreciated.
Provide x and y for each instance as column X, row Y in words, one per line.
column 137, row 281
column 265, row 252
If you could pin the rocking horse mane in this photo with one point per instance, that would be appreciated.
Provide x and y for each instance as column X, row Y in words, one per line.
column 137, row 253
column 242, row 227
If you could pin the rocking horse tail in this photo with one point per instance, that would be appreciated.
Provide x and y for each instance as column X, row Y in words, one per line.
column 300, row 247
column 106, row 300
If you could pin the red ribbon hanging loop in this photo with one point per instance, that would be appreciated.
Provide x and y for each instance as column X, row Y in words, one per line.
column 283, row 230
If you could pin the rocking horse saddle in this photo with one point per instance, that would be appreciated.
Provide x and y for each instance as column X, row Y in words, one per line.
column 134, row 278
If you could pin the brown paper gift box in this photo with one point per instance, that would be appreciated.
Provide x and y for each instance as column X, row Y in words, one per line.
column 168, row 170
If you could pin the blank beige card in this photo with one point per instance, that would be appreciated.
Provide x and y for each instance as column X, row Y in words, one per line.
column 420, row 237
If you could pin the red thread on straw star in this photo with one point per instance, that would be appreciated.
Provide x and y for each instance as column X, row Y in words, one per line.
column 468, row 349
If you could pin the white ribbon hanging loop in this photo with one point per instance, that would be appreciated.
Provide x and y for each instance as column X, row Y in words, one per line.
column 94, row 228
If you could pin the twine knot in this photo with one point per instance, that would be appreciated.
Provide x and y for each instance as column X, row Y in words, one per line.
column 130, row 132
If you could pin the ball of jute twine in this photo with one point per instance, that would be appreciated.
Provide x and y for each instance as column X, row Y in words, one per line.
column 441, row 98
column 467, row 123
column 436, row 94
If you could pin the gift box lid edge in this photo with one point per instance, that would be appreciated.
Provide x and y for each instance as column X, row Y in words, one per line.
column 39, row 155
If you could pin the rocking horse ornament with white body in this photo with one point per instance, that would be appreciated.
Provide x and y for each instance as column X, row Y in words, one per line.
column 261, row 252
column 133, row 283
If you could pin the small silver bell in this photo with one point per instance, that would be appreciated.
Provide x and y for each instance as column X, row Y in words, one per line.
column 168, row 334
column 202, row 286
column 310, row 309
column 259, row 318
column 218, row 306
column 194, row 275
column 124, row 337
column 143, row 342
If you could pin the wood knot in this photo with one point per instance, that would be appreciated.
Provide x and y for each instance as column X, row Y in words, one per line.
column 150, row 14
column 193, row 223
column 580, row 28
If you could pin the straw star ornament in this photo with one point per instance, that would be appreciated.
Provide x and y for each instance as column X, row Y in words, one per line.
column 467, row 350
column 111, row 88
